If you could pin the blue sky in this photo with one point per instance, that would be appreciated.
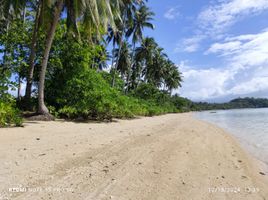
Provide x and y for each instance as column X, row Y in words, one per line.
column 220, row 46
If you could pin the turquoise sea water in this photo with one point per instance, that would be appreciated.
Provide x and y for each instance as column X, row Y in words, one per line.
column 249, row 126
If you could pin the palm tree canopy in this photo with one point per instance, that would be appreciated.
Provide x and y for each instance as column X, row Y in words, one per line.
column 11, row 8
column 124, row 60
column 142, row 18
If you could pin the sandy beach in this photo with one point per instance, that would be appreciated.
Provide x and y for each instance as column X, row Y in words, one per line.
column 167, row 157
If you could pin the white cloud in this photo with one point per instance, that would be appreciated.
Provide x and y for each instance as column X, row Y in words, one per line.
column 215, row 19
column 254, row 85
column 227, row 48
column 172, row 13
column 241, row 38
column 245, row 72
column 203, row 84
column 189, row 44
column 211, row 84
column 213, row 22
column 245, row 50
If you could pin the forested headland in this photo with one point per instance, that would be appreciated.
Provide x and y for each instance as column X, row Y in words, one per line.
column 238, row 103
column 83, row 59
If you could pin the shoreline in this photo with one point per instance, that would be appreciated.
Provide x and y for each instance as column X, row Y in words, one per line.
column 240, row 141
column 174, row 156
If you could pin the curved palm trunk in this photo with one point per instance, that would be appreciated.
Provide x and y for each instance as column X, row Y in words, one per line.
column 117, row 61
column 23, row 16
column 29, row 84
column 131, row 66
column 42, row 109
column 112, row 65
column 19, row 87
column 120, row 46
column 116, row 64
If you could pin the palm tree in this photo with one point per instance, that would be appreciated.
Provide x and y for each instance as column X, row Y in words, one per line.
column 42, row 109
column 93, row 15
column 114, row 36
column 9, row 11
column 124, row 60
column 142, row 18
column 36, row 27
column 128, row 8
column 144, row 54
column 172, row 76
column 136, row 73
column 156, row 68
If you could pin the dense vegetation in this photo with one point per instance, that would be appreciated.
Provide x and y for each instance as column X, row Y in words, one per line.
column 83, row 59
column 233, row 104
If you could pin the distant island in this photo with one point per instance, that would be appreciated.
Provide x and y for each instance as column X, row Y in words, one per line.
column 238, row 103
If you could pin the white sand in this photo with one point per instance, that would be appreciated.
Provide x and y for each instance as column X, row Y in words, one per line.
column 165, row 158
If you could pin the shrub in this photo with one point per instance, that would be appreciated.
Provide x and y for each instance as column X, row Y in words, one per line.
column 75, row 90
column 9, row 115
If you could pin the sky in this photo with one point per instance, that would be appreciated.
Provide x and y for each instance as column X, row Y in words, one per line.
column 220, row 46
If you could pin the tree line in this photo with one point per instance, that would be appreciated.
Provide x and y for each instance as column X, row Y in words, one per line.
column 238, row 103
column 84, row 58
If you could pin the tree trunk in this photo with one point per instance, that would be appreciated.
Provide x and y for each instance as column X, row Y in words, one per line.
column 29, row 84
column 131, row 66
column 42, row 109
column 112, row 65
column 120, row 45
column 23, row 16
column 19, row 86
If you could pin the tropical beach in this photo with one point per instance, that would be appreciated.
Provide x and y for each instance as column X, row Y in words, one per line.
column 173, row 156
column 133, row 100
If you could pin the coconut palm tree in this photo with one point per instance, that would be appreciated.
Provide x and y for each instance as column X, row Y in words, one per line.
column 92, row 14
column 124, row 59
column 37, row 22
column 114, row 36
column 146, row 50
column 128, row 9
column 9, row 11
column 142, row 18
column 143, row 58
column 145, row 54
column 136, row 73
column 172, row 76
column 155, row 70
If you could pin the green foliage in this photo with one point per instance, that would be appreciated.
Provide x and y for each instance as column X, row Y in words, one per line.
column 160, row 101
column 183, row 104
column 89, row 96
column 83, row 92
column 146, row 91
column 15, row 49
column 108, row 77
column 9, row 115
column 75, row 85
column 5, row 83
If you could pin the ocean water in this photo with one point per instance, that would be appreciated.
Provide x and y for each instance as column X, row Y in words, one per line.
column 249, row 126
